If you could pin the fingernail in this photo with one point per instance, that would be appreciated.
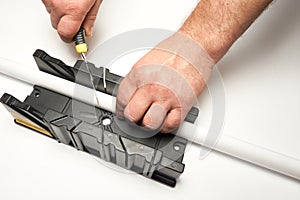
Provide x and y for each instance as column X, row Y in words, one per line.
column 148, row 122
column 155, row 117
column 89, row 32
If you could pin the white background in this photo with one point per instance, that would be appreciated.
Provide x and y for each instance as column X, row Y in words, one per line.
column 261, row 77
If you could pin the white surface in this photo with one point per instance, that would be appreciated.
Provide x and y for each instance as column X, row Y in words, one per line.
column 261, row 78
column 59, row 85
column 237, row 148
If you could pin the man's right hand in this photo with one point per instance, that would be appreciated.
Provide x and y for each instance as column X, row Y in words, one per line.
column 67, row 16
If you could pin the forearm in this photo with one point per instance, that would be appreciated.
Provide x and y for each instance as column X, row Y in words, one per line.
column 217, row 24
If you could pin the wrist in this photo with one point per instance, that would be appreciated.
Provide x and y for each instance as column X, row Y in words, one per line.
column 191, row 52
column 216, row 45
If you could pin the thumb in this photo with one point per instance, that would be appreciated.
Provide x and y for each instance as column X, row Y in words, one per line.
column 67, row 27
column 90, row 18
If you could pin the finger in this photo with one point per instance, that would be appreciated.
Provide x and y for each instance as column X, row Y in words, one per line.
column 90, row 18
column 55, row 16
column 125, row 91
column 54, row 10
column 47, row 5
column 72, row 19
column 155, row 116
column 172, row 121
column 138, row 105
column 119, row 111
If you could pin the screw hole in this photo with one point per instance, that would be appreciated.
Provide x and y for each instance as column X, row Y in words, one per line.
column 36, row 94
column 176, row 147
column 141, row 148
column 106, row 121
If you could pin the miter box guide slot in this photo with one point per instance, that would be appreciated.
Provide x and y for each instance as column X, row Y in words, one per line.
column 94, row 130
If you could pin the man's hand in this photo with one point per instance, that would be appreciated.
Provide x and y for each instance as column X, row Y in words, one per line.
column 162, row 87
column 67, row 16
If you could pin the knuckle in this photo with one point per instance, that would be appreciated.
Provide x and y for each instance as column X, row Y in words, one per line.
column 54, row 4
column 46, row 3
column 77, row 8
